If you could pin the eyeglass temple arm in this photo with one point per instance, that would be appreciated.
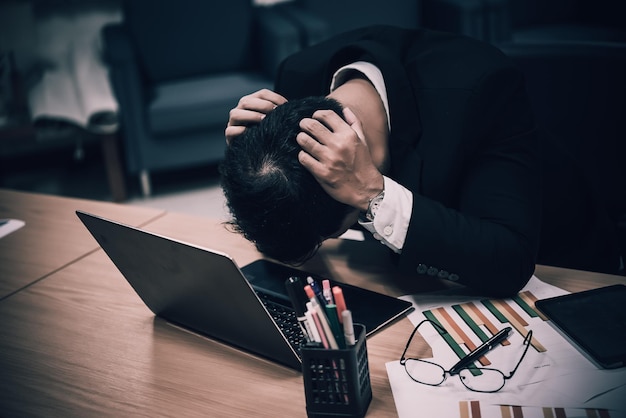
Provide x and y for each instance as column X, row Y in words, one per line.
column 526, row 342
column 439, row 328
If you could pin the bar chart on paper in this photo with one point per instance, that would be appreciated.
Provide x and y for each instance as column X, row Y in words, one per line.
column 474, row 409
column 547, row 378
column 518, row 312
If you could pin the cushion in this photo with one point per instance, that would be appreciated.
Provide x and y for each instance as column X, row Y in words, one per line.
column 200, row 103
column 187, row 38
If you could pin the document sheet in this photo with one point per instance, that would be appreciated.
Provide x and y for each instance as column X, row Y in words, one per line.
column 554, row 380
column 10, row 225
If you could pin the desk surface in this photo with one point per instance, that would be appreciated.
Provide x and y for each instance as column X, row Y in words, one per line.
column 80, row 342
column 52, row 237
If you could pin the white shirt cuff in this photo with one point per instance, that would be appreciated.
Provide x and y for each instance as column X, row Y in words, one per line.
column 391, row 223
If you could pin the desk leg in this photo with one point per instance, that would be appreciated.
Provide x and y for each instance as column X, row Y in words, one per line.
column 113, row 166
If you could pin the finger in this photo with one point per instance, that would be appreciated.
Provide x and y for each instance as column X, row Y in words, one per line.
column 262, row 101
column 354, row 122
column 310, row 163
column 315, row 129
column 232, row 132
column 271, row 96
column 310, row 145
column 330, row 119
column 255, row 104
column 244, row 117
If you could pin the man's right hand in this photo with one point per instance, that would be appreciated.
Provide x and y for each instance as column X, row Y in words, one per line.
column 251, row 110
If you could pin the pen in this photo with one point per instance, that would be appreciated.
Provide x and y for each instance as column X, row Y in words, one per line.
column 331, row 313
column 482, row 349
column 339, row 301
column 317, row 290
column 328, row 294
column 317, row 323
column 348, row 328
column 311, row 325
column 298, row 300
column 325, row 328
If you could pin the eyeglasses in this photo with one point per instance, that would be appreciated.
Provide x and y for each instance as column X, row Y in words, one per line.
column 477, row 379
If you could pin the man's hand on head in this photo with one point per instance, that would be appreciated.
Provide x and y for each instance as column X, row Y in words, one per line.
column 251, row 110
column 335, row 152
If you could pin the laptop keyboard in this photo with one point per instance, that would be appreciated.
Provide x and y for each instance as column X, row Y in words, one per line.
column 285, row 318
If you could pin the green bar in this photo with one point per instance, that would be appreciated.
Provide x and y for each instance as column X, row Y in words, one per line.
column 448, row 338
column 470, row 322
column 522, row 304
column 494, row 311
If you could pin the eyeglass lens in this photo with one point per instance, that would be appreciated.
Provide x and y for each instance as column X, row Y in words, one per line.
column 425, row 372
column 482, row 380
column 476, row 379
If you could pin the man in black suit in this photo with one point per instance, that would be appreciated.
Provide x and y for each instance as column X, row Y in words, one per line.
column 432, row 148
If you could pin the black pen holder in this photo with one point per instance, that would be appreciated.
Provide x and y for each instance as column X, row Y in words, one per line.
column 337, row 382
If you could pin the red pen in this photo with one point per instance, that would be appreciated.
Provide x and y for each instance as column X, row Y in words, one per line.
column 339, row 301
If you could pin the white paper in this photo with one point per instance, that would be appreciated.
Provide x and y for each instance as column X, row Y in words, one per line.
column 553, row 375
column 9, row 225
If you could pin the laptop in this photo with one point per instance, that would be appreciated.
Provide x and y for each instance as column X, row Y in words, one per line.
column 204, row 291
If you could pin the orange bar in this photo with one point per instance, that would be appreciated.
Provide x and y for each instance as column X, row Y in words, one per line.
column 464, row 338
column 511, row 311
column 463, row 409
column 505, row 411
column 481, row 319
column 530, row 299
column 517, row 325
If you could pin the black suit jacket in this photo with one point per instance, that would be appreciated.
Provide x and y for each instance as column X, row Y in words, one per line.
column 462, row 140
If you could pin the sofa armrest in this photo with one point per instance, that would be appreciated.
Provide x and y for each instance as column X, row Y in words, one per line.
column 128, row 88
column 277, row 38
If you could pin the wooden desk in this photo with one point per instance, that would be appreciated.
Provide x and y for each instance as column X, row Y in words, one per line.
column 53, row 236
column 81, row 343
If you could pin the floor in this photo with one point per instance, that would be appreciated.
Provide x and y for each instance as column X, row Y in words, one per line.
column 80, row 173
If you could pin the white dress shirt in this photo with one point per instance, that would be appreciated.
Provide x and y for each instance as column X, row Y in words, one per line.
column 394, row 213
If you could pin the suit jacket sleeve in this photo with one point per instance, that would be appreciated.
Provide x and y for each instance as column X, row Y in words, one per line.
column 463, row 141
column 484, row 230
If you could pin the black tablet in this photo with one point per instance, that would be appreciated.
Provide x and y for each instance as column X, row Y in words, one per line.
column 595, row 320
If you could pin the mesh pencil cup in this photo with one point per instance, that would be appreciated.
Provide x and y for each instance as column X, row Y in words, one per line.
column 337, row 382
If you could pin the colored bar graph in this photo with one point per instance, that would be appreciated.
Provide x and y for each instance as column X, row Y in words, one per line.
column 477, row 321
column 517, row 322
column 480, row 318
column 458, row 334
column 470, row 322
column 448, row 337
column 525, row 306
column 530, row 299
column 471, row 409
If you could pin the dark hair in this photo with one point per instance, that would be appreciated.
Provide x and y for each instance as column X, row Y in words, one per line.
column 274, row 201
